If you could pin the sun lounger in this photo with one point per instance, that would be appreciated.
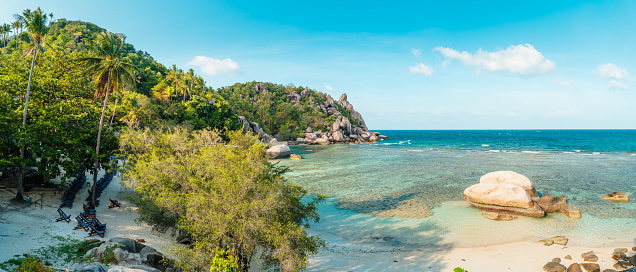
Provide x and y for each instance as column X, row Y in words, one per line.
column 114, row 203
column 96, row 231
column 81, row 223
column 63, row 216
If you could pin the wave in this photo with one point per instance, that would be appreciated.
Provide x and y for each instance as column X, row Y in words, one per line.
column 485, row 145
column 494, row 150
column 531, row 152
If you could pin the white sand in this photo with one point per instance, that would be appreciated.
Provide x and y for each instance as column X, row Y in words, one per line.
column 25, row 229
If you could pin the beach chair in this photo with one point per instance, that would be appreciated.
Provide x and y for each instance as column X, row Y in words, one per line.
column 63, row 216
column 96, row 231
column 81, row 223
column 114, row 203
column 98, row 224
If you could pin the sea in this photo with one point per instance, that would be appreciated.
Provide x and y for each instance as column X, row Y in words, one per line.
column 435, row 166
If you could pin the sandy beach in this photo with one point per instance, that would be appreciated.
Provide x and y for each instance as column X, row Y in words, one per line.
column 32, row 227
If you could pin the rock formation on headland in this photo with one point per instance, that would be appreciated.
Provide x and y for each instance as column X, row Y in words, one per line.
column 340, row 123
column 507, row 192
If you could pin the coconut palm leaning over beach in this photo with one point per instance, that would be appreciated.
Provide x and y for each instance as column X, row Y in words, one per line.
column 36, row 23
column 110, row 70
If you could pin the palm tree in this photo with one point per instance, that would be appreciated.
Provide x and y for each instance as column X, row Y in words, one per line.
column 5, row 30
column 17, row 25
column 110, row 70
column 35, row 21
column 174, row 75
column 189, row 77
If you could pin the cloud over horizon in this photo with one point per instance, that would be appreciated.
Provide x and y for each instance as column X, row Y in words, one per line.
column 212, row 66
column 614, row 84
column 421, row 68
column 521, row 59
column 610, row 70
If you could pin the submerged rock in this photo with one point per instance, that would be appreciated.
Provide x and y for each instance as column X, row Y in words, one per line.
column 571, row 211
column 551, row 204
column 388, row 207
column 616, row 197
column 498, row 216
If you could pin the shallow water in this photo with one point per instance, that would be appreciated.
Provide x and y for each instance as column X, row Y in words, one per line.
column 436, row 166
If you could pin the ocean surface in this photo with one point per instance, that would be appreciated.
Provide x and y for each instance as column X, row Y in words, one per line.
column 435, row 166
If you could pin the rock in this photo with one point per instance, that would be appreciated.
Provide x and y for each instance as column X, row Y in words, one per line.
column 278, row 151
column 383, row 137
column 322, row 141
column 504, row 198
column 571, row 211
column 591, row 267
column 309, row 130
column 132, row 268
column 609, row 270
column 90, row 253
column 338, row 137
column 620, row 266
column 567, row 257
column 498, row 216
column 156, row 260
column 129, row 245
column 589, row 257
column 294, row 97
column 335, row 126
column 575, row 267
column 267, row 139
column 554, row 267
column 329, row 102
column 374, row 139
column 619, row 254
column 305, row 93
column 510, row 177
column 260, row 87
column 616, row 197
column 560, row 240
column 556, row 260
column 551, row 204
column 633, row 248
column 120, row 255
column 632, row 260
column 91, row 267
column 295, row 156
column 301, row 140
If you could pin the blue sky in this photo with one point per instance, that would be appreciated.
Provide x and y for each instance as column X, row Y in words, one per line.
column 403, row 64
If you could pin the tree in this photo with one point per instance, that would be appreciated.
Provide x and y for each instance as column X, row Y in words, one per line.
column 224, row 196
column 17, row 27
column 109, row 69
column 174, row 75
column 5, row 29
column 190, row 78
column 36, row 24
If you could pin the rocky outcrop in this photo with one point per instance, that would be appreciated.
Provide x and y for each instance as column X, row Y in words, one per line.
column 129, row 254
column 294, row 98
column 616, row 197
column 511, row 193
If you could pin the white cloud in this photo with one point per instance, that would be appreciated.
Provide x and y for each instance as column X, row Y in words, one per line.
column 212, row 66
column 562, row 83
column 613, row 84
column 416, row 52
column 555, row 113
column 520, row 59
column 609, row 70
column 421, row 68
column 328, row 87
column 512, row 114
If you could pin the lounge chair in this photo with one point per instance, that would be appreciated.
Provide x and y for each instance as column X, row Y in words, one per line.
column 81, row 223
column 63, row 216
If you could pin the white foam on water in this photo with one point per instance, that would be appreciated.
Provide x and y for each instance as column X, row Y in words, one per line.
column 531, row 152
column 568, row 152
column 494, row 150
column 485, row 145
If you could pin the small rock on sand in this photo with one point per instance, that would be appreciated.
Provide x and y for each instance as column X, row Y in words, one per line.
column 575, row 267
column 560, row 240
column 589, row 257
column 568, row 257
column 619, row 254
column 554, row 267
column 295, row 156
column 591, row 267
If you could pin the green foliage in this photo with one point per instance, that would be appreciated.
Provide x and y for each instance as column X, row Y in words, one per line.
column 31, row 264
column 459, row 269
column 224, row 261
column 220, row 194
column 272, row 110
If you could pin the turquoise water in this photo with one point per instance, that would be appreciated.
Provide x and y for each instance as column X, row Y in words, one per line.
column 434, row 167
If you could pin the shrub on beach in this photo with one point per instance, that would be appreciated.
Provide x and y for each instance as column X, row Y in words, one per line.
column 31, row 264
column 221, row 194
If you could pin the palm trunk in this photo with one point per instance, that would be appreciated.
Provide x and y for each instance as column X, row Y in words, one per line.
column 24, row 115
column 114, row 111
column 99, row 138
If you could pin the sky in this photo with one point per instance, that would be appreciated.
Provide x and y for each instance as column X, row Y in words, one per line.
column 403, row 64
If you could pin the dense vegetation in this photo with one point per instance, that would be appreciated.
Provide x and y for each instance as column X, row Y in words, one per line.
column 269, row 105
column 72, row 94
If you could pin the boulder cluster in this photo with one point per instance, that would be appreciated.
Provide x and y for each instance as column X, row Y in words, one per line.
column 623, row 263
column 508, row 193
column 124, row 254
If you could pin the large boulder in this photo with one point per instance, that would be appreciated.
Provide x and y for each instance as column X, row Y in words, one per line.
column 322, row 141
column 510, row 177
column 278, row 151
column 260, row 87
column 504, row 198
column 338, row 137
column 305, row 93
column 91, row 267
column 294, row 97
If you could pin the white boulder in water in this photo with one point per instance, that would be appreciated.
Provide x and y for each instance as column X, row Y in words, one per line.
column 278, row 151
column 510, row 177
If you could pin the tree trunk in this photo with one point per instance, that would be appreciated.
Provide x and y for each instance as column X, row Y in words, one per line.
column 114, row 111
column 99, row 138
column 24, row 115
